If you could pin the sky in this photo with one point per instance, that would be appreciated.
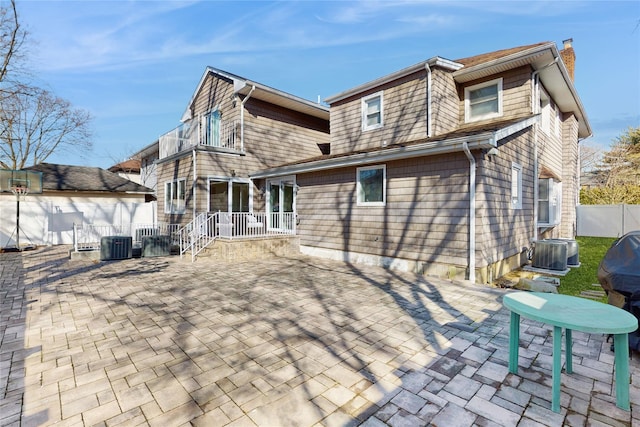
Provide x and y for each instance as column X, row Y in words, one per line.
column 134, row 65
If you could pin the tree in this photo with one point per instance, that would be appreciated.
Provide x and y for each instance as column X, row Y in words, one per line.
column 621, row 165
column 618, row 171
column 34, row 123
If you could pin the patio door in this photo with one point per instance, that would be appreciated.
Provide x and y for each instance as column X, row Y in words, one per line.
column 281, row 203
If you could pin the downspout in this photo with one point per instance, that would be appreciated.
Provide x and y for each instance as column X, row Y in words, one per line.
column 535, row 109
column 246, row 98
column 472, row 212
column 195, row 182
column 428, row 69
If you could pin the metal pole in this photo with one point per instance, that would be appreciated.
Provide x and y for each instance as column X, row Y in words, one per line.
column 17, row 222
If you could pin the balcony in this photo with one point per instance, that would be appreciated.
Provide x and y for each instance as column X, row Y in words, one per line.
column 223, row 134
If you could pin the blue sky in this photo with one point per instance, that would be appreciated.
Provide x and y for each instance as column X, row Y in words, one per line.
column 135, row 65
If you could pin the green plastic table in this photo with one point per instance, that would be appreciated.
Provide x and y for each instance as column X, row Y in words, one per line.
column 572, row 313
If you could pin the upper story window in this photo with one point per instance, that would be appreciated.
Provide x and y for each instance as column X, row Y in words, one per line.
column 175, row 193
column 483, row 101
column 545, row 112
column 372, row 112
column 516, row 186
column 371, row 183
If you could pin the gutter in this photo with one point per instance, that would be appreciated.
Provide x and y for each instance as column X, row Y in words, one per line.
column 472, row 212
column 244, row 101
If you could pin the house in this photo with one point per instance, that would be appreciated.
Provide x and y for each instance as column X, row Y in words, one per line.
column 232, row 126
column 73, row 195
column 447, row 167
column 128, row 169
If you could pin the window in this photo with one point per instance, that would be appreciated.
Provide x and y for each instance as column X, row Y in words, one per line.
column 558, row 122
column 372, row 112
column 483, row 101
column 516, row 186
column 175, row 196
column 229, row 195
column 212, row 129
column 549, row 201
column 371, row 185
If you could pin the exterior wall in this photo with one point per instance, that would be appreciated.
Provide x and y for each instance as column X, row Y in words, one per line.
column 570, row 175
column 445, row 102
column 502, row 231
column 179, row 168
column 273, row 136
column 404, row 116
column 516, row 94
column 148, row 172
column 423, row 223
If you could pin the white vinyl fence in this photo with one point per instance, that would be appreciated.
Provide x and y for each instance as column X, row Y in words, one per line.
column 607, row 220
column 46, row 222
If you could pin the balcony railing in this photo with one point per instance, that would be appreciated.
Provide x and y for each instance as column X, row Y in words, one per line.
column 188, row 135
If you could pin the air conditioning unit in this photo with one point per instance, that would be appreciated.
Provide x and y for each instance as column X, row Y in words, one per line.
column 550, row 255
column 573, row 255
column 156, row 246
column 115, row 248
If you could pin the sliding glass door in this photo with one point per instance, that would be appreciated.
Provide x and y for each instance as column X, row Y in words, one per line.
column 281, row 203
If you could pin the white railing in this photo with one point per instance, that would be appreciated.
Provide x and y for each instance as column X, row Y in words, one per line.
column 188, row 135
column 87, row 236
column 199, row 233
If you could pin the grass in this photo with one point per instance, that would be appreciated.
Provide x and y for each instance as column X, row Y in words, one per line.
column 591, row 252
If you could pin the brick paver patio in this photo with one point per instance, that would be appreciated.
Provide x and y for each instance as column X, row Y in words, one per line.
column 281, row 342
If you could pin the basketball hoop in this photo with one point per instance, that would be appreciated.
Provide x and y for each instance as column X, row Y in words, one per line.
column 20, row 192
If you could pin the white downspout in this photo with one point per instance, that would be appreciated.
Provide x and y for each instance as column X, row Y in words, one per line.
column 246, row 98
column 428, row 69
column 535, row 109
column 472, row 212
column 195, row 182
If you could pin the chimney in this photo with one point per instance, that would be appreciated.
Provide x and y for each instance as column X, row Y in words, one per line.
column 568, row 57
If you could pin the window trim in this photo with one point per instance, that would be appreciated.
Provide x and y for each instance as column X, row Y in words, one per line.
column 516, row 181
column 359, row 201
column 554, row 203
column 467, row 100
column 169, row 207
column 363, row 109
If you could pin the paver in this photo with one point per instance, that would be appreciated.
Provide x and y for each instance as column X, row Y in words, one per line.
column 274, row 342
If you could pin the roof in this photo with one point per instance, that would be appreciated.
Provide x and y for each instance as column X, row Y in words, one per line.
column 491, row 56
column 263, row 92
column 83, row 178
column 477, row 136
column 128, row 166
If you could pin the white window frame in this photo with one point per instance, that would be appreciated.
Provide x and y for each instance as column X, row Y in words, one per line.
column 360, row 201
column 364, row 104
column 554, row 199
column 229, row 182
column 169, row 187
column 516, row 186
column 468, row 117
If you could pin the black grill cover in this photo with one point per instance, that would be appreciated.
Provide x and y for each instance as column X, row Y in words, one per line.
column 619, row 270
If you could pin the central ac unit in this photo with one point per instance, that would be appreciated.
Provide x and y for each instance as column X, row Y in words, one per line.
column 550, row 255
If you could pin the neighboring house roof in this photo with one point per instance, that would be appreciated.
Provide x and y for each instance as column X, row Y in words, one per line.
column 83, row 178
column 128, row 166
column 477, row 136
column 243, row 86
